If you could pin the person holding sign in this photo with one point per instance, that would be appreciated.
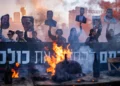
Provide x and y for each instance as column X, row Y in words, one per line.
column 59, row 39
column 96, row 31
column 50, row 22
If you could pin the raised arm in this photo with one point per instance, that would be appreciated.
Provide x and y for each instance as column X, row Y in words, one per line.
column 50, row 35
column 99, row 32
column 79, row 33
column 25, row 36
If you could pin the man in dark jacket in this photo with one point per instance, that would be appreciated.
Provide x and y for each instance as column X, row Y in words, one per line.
column 34, row 38
column 59, row 39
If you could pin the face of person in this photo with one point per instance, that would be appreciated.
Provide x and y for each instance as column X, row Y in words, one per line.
column 49, row 15
column 111, row 32
column 74, row 32
column 81, row 11
column 27, row 24
column 5, row 22
column 109, row 14
column 59, row 33
column 10, row 35
column 20, row 35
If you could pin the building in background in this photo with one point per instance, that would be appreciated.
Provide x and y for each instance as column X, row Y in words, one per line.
column 16, row 17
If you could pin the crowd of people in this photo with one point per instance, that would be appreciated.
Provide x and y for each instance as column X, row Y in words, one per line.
column 28, row 25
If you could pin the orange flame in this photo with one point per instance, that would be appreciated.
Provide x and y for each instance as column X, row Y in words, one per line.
column 15, row 73
column 59, row 57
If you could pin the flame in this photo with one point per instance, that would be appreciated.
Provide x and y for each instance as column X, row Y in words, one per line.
column 15, row 73
column 58, row 57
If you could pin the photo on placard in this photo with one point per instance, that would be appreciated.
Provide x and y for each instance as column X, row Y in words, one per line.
column 28, row 23
column 109, row 18
column 96, row 21
column 5, row 21
column 81, row 18
column 49, row 21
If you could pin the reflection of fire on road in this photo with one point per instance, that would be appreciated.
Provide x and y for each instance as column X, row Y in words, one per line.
column 15, row 73
column 59, row 57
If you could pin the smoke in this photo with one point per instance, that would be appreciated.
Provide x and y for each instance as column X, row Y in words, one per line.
column 21, row 2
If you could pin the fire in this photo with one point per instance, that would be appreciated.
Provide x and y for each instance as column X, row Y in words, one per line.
column 58, row 57
column 15, row 73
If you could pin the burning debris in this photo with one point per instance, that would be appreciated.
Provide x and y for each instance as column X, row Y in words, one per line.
column 57, row 58
column 61, row 68
column 15, row 73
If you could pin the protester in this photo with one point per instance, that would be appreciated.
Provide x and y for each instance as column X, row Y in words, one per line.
column 95, row 33
column 34, row 38
column 20, row 37
column 59, row 39
column 73, row 38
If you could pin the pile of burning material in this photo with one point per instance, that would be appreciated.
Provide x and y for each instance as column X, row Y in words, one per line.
column 61, row 67
column 67, row 70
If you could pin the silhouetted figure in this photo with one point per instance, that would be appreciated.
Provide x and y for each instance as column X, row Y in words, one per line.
column 95, row 33
column 5, row 21
column 10, row 36
column 8, row 73
column 34, row 38
column 109, row 16
column 59, row 39
column 20, row 37
column 93, row 36
column 73, row 38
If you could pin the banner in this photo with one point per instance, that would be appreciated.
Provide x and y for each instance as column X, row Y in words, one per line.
column 26, row 53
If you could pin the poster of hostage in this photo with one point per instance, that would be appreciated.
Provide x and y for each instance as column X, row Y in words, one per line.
column 72, row 38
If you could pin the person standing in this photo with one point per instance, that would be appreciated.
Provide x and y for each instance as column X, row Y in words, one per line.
column 73, row 38
column 59, row 39
column 20, row 37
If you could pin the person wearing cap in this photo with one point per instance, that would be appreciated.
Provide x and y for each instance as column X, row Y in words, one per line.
column 59, row 39
column 20, row 37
